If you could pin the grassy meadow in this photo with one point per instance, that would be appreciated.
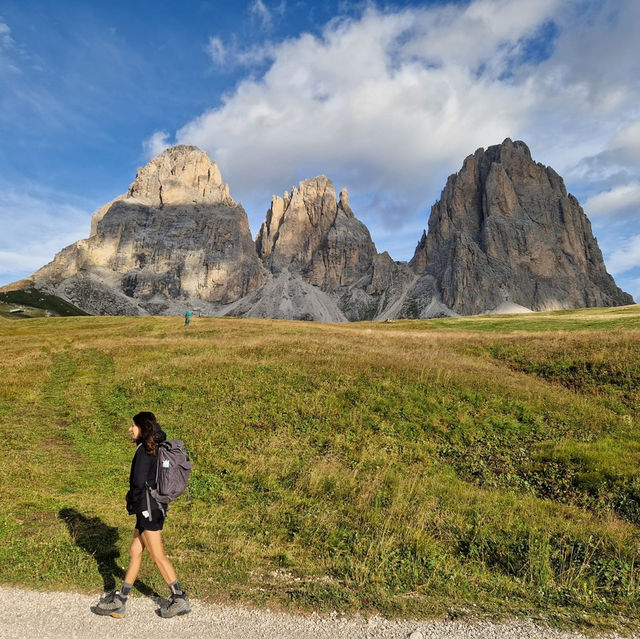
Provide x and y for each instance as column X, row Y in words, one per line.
column 472, row 467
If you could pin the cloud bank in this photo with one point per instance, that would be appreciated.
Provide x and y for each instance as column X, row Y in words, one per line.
column 385, row 101
column 621, row 201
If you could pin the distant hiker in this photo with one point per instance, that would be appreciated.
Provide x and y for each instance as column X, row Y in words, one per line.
column 147, row 434
column 187, row 318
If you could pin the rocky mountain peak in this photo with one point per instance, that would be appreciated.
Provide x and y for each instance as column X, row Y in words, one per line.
column 508, row 147
column 175, row 235
column 294, row 219
column 311, row 233
column 180, row 175
column 506, row 229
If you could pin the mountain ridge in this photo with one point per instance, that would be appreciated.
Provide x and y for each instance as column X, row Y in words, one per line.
column 504, row 234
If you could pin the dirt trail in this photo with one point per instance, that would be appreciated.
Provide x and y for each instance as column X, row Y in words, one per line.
column 25, row 613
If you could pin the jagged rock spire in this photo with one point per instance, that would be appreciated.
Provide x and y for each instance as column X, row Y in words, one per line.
column 505, row 231
column 311, row 233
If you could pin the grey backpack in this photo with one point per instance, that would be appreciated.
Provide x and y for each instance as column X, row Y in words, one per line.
column 173, row 470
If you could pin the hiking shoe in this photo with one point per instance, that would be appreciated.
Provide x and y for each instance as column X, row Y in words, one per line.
column 179, row 605
column 112, row 604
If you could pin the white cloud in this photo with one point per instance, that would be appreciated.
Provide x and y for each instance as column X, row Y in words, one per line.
column 486, row 34
column 588, row 91
column 217, row 51
column 6, row 41
column 594, row 52
column 626, row 257
column 264, row 14
column 632, row 286
column 622, row 200
column 8, row 50
column 28, row 260
column 228, row 56
column 626, row 143
column 156, row 144
column 260, row 11
column 30, row 214
column 617, row 158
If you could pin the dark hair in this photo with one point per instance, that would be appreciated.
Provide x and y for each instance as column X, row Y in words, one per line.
column 149, row 427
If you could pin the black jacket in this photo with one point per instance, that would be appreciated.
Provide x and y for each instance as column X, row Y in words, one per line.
column 143, row 471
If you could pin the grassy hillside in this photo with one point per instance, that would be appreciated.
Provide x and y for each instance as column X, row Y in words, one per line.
column 35, row 303
column 482, row 466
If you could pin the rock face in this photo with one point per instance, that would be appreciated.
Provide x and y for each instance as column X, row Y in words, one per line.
column 314, row 236
column 176, row 235
column 504, row 237
column 505, row 233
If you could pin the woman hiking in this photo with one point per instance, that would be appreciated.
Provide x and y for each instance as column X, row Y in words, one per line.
column 147, row 434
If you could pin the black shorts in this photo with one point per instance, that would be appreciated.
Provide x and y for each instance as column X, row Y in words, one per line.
column 143, row 523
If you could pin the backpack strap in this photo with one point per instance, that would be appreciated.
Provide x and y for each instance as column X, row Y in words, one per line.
column 157, row 460
column 146, row 492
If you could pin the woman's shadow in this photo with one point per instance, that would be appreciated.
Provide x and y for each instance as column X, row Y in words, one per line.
column 99, row 540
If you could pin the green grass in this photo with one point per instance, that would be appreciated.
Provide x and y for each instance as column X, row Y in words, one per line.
column 35, row 303
column 625, row 317
column 418, row 468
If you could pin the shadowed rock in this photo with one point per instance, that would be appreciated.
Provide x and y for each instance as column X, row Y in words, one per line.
column 505, row 231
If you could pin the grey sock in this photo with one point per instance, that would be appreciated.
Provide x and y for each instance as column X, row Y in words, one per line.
column 175, row 588
column 125, row 590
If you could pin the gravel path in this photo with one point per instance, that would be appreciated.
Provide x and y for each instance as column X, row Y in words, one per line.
column 25, row 613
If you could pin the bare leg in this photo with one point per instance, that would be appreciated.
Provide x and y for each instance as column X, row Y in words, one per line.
column 135, row 557
column 152, row 540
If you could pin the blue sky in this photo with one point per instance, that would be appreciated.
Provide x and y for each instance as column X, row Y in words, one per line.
column 384, row 98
